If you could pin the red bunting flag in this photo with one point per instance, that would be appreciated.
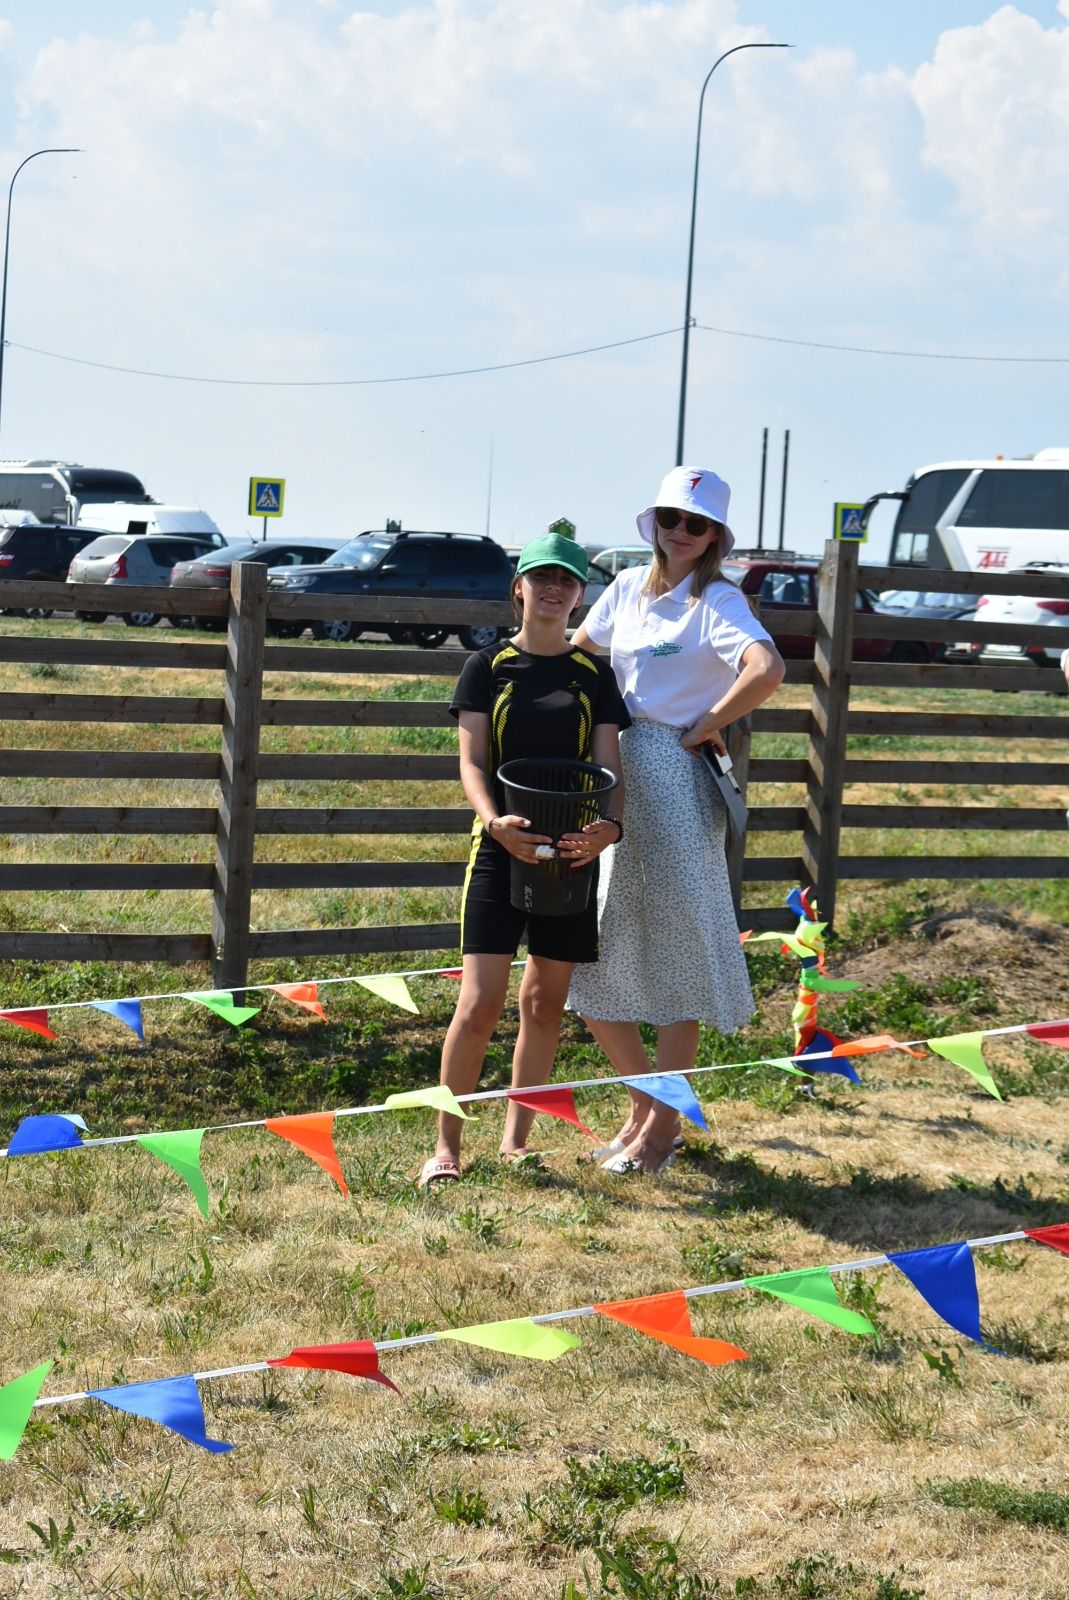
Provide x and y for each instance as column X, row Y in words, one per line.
column 452, row 972
column 1057, row 1236
column 555, row 1103
column 36, row 1021
column 666, row 1318
column 1050, row 1032
column 871, row 1042
column 314, row 1134
column 305, row 995
column 359, row 1358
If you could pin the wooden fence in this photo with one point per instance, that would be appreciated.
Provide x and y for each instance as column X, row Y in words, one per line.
column 819, row 814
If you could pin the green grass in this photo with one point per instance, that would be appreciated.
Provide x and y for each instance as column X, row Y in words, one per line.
column 1033, row 1508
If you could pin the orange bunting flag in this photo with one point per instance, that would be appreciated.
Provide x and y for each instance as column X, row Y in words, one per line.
column 871, row 1042
column 314, row 1134
column 666, row 1318
column 305, row 995
column 36, row 1021
column 358, row 1357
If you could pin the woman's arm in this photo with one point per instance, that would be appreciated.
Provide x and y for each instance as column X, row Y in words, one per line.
column 511, row 832
column 760, row 676
column 582, row 641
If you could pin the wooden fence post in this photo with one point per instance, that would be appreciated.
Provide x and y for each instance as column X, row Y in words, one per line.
column 236, row 828
column 836, row 595
column 737, row 739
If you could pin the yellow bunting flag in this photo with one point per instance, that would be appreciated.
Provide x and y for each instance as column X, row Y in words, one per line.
column 440, row 1098
column 519, row 1338
column 395, row 990
column 966, row 1050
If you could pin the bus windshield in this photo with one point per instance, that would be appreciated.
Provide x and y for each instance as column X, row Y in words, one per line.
column 926, row 499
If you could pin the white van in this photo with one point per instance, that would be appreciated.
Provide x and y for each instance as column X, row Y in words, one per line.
column 982, row 516
column 128, row 517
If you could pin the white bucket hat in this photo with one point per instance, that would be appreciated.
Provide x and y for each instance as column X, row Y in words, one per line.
column 696, row 490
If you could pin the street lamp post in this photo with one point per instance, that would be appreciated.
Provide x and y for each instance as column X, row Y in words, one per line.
column 757, row 44
column 60, row 150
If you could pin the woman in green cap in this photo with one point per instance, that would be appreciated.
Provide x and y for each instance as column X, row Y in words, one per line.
column 534, row 696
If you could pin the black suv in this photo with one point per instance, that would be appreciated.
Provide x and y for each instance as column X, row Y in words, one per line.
column 34, row 552
column 437, row 566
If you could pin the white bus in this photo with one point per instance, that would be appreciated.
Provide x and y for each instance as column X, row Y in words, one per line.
column 982, row 516
column 56, row 491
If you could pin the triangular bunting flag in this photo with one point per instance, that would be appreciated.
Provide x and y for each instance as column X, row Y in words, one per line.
column 314, row 1134
column 48, row 1132
column 666, row 1318
column 871, row 1043
column 36, row 1020
column 1057, row 1236
column 359, row 1358
column 945, row 1276
column 181, row 1152
column 964, row 1050
column 554, row 1103
column 305, row 995
column 172, row 1402
column 395, row 990
column 815, row 980
column 785, row 1064
column 223, row 1006
column 16, row 1403
column 1050, row 1032
column 812, row 1290
column 671, row 1089
column 440, row 1098
column 128, row 1011
column 520, row 1337
column 452, row 972
column 838, row 1062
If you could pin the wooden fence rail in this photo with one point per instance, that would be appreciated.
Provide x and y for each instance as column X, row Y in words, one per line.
column 817, row 814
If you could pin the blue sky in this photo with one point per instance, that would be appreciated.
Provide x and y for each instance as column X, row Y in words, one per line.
column 305, row 189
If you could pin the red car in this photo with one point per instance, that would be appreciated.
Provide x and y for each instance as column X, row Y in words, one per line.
column 780, row 581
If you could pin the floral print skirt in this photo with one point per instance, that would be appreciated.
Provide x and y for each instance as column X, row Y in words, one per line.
column 669, row 941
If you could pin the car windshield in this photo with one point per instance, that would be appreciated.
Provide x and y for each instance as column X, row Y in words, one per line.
column 360, row 552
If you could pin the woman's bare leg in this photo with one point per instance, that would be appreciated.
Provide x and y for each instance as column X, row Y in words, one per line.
column 677, row 1051
column 542, row 995
column 483, row 988
column 622, row 1043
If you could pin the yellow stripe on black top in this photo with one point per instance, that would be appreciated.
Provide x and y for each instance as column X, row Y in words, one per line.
column 476, row 840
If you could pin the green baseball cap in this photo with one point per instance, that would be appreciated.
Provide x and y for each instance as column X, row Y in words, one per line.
column 553, row 550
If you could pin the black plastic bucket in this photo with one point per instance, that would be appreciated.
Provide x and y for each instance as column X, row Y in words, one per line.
column 556, row 797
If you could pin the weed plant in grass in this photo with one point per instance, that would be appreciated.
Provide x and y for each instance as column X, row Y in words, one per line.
column 1034, row 1508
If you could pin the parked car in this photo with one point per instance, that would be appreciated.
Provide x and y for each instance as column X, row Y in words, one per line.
column 41, row 551
column 137, row 558
column 416, row 565
column 619, row 557
column 212, row 571
column 1038, row 614
column 932, row 603
column 781, row 581
column 598, row 579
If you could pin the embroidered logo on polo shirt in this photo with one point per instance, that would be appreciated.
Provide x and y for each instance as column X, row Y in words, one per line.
column 663, row 648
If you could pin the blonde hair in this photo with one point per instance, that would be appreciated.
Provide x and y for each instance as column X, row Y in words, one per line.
column 705, row 572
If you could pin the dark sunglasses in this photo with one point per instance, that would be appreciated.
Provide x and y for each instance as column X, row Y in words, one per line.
column 668, row 517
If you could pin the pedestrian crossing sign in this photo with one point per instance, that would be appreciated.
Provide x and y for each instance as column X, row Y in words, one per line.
column 847, row 525
column 266, row 496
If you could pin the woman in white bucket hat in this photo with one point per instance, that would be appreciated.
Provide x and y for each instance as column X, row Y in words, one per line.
column 690, row 658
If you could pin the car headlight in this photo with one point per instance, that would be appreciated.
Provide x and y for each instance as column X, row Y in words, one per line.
column 298, row 581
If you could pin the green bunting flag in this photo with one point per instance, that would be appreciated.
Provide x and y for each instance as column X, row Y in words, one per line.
column 181, row 1152
column 223, row 1006
column 440, row 1098
column 395, row 990
column 785, row 1064
column 810, row 978
column 965, row 1050
column 812, row 1290
column 16, row 1403
column 517, row 1338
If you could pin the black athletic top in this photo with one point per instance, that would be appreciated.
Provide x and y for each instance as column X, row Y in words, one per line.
column 543, row 706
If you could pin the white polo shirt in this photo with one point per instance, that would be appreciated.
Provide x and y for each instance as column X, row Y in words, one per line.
column 673, row 658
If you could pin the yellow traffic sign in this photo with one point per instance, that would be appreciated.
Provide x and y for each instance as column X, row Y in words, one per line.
column 847, row 523
column 266, row 496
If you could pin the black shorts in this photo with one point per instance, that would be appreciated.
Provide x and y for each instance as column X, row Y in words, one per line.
column 490, row 925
